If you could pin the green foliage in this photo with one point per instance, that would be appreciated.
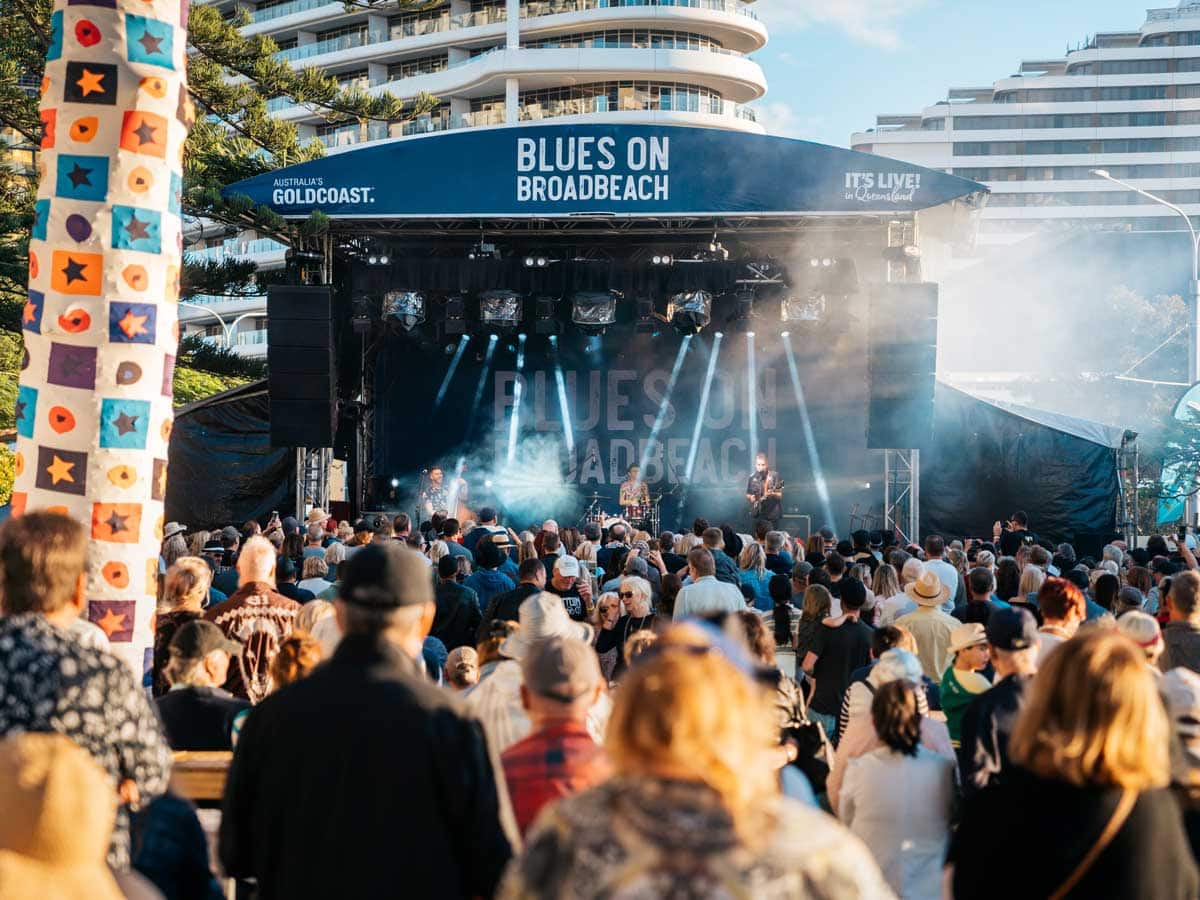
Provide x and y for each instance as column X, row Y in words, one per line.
column 192, row 385
column 12, row 349
column 8, row 473
column 198, row 354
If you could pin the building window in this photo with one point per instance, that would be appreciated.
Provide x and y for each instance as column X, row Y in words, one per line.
column 628, row 38
column 420, row 66
column 933, row 124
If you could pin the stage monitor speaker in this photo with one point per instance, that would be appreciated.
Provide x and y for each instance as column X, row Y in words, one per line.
column 301, row 384
column 901, row 363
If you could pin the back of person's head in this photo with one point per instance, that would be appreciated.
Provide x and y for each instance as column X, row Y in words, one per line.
column 701, row 562
column 758, row 639
column 698, row 717
column 311, row 613
column 43, row 555
column 488, row 555
column 761, row 528
column 1021, row 518
column 699, row 526
column 1143, row 630
column 314, row 567
column 401, row 523
column 1113, row 734
column 1008, row 578
column 1156, row 545
column 713, row 538
column 1139, row 577
column 845, row 549
column 780, row 589
column 836, row 564
column 638, row 643
column 1130, row 598
column 186, row 583
column 853, row 595
column 591, row 531
column 1039, row 556
column 384, row 586
column 672, row 584
column 335, row 554
column 551, row 542
column 860, row 539
column 497, row 632
column 884, row 639
column 1105, row 590
column 462, row 667
column 818, row 603
column 897, row 717
column 1077, row 577
column 298, row 654
column 529, row 570
column 774, row 541
column 981, row 582
column 752, row 557
column 256, row 562
column 315, row 533
column 935, row 545
column 1032, row 579
column 447, row 567
column 1185, row 594
column 450, row 528
column 1057, row 598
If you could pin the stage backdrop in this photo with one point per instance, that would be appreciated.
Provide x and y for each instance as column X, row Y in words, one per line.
column 622, row 408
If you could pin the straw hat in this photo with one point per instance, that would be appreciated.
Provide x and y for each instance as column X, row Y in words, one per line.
column 59, row 809
column 542, row 615
column 928, row 590
column 317, row 516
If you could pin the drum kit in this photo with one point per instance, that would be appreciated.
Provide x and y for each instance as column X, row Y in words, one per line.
column 644, row 516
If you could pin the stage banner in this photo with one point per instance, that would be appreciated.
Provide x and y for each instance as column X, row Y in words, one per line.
column 93, row 411
column 537, row 428
column 620, row 170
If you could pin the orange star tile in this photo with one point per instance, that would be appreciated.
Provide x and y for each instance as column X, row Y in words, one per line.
column 132, row 325
column 90, row 82
column 111, row 622
column 60, row 470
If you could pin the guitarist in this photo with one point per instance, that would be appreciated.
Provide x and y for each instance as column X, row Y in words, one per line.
column 764, row 491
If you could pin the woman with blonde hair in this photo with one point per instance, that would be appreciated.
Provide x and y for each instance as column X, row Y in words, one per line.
column 754, row 574
column 335, row 555
column 311, row 613
column 693, row 808
column 196, row 541
column 817, row 605
column 313, row 575
column 184, row 596
column 1086, row 788
column 526, row 550
column 437, row 550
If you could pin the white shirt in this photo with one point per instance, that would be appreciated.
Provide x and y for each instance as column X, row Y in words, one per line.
column 708, row 595
column 316, row 585
column 893, row 608
column 947, row 575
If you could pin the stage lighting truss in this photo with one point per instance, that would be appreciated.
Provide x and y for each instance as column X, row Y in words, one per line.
column 545, row 315
column 803, row 308
column 407, row 308
column 690, row 311
column 483, row 250
column 594, row 312
column 500, row 310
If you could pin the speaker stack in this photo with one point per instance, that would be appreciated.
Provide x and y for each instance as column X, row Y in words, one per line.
column 301, row 381
column 902, row 361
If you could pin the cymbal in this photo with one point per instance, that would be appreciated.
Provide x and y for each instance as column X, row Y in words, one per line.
column 595, row 497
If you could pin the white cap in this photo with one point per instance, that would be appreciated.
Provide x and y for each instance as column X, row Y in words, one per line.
column 567, row 566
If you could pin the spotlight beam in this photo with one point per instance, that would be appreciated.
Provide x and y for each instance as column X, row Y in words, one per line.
column 483, row 374
column 514, row 420
column 568, row 429
column 703, row 410
column 458, row 355
column 752, row 395
column 814, row 456
column 684, row 345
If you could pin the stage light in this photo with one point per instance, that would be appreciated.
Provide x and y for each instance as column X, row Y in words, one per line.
column 594, row 312
column 536, row 262
column 405, row 307
column 665, row 405
column 719, row 334
column 545, row 315
column 785, row 334
column 455, row 320
column 500, row 309
column 752, row 393
column 487, row 483
column 662, row 259
column 809, row 308
column 372, row 260
column 395, row 482
column 690, row 311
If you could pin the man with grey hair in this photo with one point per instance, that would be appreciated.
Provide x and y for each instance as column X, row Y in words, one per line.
column 1110, row 551
column 367, row 761
column 196, row 713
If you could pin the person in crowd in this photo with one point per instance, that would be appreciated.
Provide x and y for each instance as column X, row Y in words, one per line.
column 608, row 611
column 672, row 584
column 988, row 721
column 839, row 647
column 725, row 569
column 462, row 668
column 857, row 699
column 197, row 713
column 414, row 744
column 1105, row 590
column 675, row 562
column 1143, row 629
column 639, row 642
column 899, row 798
column 1008, row 580
column 1129, row 599
column 487, row 580
column 50, row 682
column 1139, row 577
column 634, row 596
column 185, row 590
column 964, row 681
column 929, row 624
column 496, row 700
column 705, row 593
column 335, row 555
column 314, row 572
column 1087, row 788
column 506, row 606
column 835, row 568
column 1161, row 570
column 298, row 655
column 561, row 682
column 574, row 590
column 981, row 597
column 311, row 615
column 1032, row 579
column 782, row 619
column 257, row 615
column 776, row 559
column 901, row 603
column 452, row 535
column 285, row 581
column 694, row 807
column 489, row 646
column 755, row 575
column 314, row 541
column 935, row 552
column 293, row 549
column 860, row 544
column 816, row 607
column 457, row 619
column 801, row 573
column 788, row 700
column 174, row 545
column 1063, row 611
column 196, row 540
column 1013, row 535
column 1180, row 690
column 489, row 526
column 225, row 576
column 885, row 584
column 1181, row 635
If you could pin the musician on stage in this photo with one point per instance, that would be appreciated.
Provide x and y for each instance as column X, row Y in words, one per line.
column 634, row 491
column 764, row 491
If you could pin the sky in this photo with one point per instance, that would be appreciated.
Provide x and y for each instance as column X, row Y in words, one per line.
column 833, row 65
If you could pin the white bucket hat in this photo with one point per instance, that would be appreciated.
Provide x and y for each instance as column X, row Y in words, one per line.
column 542, row 615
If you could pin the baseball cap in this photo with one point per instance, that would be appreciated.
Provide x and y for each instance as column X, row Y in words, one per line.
column 560, row 668
column 385, row 576
column 197, row 639
column 1011, row 629
column 213, row 547
column 362, row 525
column 290, row 525
column 230, row 533
column 567, row 566
column 967, row 635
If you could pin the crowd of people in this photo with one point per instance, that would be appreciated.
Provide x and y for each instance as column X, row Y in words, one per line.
column 462, row 709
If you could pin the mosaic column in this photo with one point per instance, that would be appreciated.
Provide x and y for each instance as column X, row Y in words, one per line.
column 101, row 327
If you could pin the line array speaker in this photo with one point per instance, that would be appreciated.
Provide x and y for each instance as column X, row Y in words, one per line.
column 902, row 362
column 301, row 384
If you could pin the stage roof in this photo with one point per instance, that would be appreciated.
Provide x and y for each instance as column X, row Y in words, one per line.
column 602, row 171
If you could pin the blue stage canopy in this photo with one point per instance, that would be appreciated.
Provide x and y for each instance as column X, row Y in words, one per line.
column 600, row 170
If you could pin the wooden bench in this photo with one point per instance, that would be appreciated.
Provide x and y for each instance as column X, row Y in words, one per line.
column 200, row 775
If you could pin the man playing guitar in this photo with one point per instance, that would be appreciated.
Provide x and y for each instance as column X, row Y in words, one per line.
column 764, row 491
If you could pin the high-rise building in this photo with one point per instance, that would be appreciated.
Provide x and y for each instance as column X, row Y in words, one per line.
column 1126, row 102
column 492, row 63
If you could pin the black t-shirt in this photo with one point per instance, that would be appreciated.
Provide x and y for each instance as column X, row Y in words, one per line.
column 839, row 652
column 574, row 604
column 986, row 727
column 674, row 562
column 1058, row 823
column 1012, row 541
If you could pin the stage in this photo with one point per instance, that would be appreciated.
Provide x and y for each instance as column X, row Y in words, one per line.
column 523, row 330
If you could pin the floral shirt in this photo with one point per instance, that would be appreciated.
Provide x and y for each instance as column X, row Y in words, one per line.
column 640, row 837
column 50, row 682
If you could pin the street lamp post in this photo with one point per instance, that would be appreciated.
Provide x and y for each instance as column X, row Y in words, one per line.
column 1194, row 309
column 226, row 328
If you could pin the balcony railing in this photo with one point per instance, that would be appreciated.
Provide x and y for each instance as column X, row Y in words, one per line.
column 235, row 249
column 252, row 337
column 286, row 9
column 1183, row 11
column 554, row 7
column 331, row 45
